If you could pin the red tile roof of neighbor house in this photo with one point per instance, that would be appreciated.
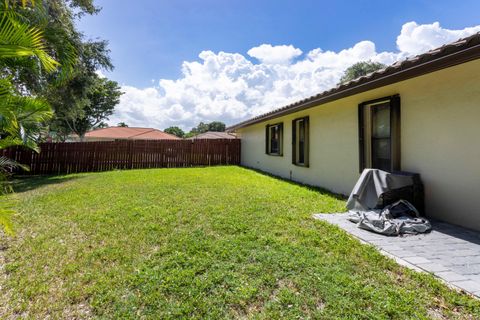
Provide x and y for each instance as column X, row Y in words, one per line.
column 130, row 133
column 455, row 53
column 214, row 135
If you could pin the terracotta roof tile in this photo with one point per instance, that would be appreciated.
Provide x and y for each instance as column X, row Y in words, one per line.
column 131, row 133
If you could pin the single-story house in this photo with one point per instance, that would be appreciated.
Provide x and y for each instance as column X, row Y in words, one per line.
column 419, row 115
column 125, row 133
column 214, row 135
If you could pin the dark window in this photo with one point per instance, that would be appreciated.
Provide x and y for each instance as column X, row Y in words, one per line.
column 274, row 139
column 379, row 132
column 300, row 141
column 381, row 137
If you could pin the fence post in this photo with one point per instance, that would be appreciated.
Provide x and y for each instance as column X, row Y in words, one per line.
column 130, row 153
column 226, row 153
column 209, row 157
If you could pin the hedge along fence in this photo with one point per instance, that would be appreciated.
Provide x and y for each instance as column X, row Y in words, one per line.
column 73, row 157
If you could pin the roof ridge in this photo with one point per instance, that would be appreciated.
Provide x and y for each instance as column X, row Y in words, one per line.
column 155, row 130
column 145, row 132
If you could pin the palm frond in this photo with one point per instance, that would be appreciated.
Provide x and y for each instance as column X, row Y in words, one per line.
column 18, row 39
column 9, row 142
column 7, row 164
column 32, row 110
column 21, row 118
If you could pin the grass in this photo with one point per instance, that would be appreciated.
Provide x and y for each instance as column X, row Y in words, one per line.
column 223, row 242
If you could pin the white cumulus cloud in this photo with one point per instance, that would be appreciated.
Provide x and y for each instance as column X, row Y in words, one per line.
column 269, row 54
column 230, row 87
column 415, row 39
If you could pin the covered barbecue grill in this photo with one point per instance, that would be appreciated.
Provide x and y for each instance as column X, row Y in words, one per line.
column 388, row 203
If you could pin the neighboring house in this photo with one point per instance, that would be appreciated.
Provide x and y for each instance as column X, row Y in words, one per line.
column 419, row 115
column 214, row 135
column 125, row 133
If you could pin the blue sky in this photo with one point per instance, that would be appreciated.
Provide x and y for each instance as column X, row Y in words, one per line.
column 150, row 40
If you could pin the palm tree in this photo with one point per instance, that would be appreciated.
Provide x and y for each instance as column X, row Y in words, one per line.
column 21, row 116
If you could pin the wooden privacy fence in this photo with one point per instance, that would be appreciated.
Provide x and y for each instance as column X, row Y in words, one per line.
column 72, row 157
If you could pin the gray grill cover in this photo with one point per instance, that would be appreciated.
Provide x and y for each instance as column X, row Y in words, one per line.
column 398, row 218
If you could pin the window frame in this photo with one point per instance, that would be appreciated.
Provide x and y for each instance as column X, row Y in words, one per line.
column 365, row 143
column 268, row 139
column 306, row 142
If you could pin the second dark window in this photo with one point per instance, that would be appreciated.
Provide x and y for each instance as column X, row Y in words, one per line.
column 300, row 141
column 274, row 139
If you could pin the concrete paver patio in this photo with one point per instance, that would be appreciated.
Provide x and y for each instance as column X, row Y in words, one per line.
column 449, row 252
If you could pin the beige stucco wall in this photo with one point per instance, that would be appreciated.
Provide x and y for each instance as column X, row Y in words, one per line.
column 440, row 139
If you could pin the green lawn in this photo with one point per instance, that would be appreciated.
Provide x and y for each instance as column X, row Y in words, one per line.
column 223, row 242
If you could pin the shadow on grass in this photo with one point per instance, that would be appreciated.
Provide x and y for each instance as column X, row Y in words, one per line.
column 26, row 183
column 307, row 186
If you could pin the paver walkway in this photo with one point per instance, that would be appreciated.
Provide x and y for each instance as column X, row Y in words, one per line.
column 449, row 252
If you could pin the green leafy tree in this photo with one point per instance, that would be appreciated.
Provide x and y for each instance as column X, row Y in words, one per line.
column 101, row 97
column 200, row 128
column 217, row 126
column 204, row 127
column 72, row 100
column 175, row 131
column 122, row 124
column 360, row 69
